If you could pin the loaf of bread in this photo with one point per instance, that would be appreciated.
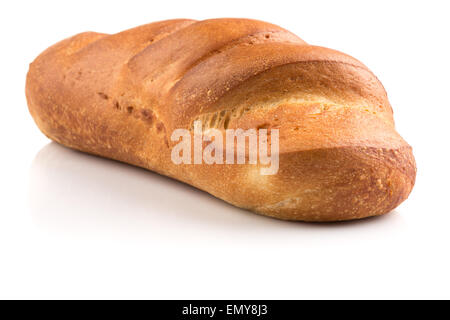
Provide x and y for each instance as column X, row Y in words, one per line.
column 121, row 96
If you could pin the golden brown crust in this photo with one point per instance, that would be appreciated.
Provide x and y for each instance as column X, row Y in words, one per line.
column 120, row 96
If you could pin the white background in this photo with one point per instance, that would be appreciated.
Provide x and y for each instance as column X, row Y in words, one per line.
column 77, row 226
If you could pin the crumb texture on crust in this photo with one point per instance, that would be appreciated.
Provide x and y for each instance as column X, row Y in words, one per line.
column 120, row 96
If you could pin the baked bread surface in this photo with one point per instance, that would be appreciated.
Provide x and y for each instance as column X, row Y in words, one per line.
column 121, row 96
